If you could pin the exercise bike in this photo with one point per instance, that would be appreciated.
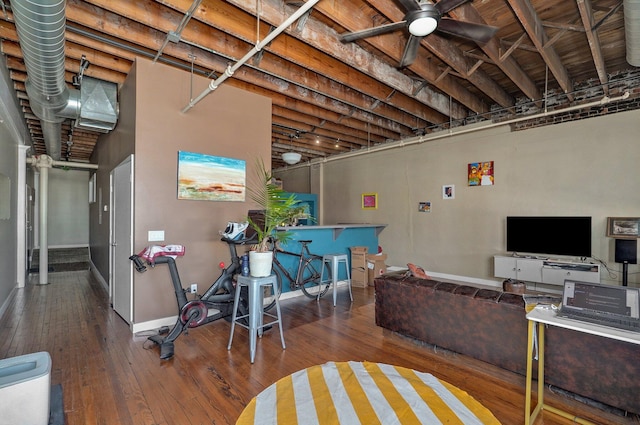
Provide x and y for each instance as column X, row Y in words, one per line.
column 214, row 304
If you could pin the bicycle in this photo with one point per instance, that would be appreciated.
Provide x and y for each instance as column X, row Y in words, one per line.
column 308, row 274
column 214, row 304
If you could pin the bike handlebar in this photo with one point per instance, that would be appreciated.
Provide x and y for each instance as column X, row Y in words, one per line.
column 137, row 261
column 239, row 241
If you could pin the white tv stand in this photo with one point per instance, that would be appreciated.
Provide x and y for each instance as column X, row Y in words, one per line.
column 544, row 270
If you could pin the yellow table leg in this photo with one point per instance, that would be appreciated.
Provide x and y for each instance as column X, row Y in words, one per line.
column 529, row 416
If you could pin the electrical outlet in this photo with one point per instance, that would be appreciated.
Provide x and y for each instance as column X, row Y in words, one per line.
column 155, row 235
column 194, row 288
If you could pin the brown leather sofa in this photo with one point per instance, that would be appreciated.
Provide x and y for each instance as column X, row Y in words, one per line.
column 490, row 325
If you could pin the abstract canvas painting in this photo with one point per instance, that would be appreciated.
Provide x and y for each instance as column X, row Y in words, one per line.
column 210, row 178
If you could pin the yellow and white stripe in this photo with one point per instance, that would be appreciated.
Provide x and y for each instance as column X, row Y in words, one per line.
column 351, row 393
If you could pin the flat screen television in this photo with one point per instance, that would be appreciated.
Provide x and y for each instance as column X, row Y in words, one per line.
column 569, row 236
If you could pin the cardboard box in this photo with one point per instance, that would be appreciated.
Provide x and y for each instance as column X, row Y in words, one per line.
column 359, row 278
column 375, row 266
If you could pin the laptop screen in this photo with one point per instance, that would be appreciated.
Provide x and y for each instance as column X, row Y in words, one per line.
column 619, row 300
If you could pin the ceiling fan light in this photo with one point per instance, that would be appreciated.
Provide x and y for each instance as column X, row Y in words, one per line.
column 291, row 157
column 423, row 26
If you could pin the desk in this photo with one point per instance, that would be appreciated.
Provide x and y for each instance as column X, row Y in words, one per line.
column 363, row 393
column 544, row 315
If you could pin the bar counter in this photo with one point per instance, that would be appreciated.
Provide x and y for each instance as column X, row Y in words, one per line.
column 328, row 239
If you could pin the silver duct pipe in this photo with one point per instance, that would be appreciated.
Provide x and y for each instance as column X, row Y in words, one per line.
column 41, row 30
column 632, row 30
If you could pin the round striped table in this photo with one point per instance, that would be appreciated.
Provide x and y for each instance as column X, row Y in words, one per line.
column 363, row 393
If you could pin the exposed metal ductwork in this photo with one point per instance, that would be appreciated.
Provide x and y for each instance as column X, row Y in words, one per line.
column 632, row 30
column 41, row 30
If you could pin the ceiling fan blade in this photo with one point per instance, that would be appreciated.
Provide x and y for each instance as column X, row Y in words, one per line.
column 410, row 51
column 409, row 5
column 475, row 32
column 370, row 32
column 444, row 6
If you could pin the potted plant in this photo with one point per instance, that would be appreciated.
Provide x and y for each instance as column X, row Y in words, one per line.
column 279, row 209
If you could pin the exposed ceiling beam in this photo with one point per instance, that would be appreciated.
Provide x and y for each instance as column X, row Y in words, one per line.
column 534, row 28
column 586, row 14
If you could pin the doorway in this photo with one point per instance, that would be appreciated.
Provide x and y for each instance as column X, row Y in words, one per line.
column 121, row 243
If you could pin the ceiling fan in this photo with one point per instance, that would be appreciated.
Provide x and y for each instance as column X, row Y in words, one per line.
column 421, row 20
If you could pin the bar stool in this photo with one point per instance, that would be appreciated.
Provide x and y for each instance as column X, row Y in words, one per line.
column 335, row 260
column 256, row 313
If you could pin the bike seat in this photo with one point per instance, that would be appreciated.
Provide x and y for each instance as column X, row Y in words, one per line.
column 305, row 242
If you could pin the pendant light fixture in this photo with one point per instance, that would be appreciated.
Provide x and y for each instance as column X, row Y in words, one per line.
column 291, row 157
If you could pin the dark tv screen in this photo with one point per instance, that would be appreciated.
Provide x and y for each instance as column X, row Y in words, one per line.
column 569, row 236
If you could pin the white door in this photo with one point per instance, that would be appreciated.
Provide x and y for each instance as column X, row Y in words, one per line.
column 121, row 219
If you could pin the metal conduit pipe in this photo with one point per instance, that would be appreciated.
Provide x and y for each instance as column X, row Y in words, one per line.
column 231, row 69
column 461, row 130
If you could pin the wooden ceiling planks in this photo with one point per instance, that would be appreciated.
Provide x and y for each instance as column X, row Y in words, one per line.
column 349, row 93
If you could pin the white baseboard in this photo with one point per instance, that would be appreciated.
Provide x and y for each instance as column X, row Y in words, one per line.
column 8, row 301
column 170, row 321
column 153, row 324
column 65, row 246
column 98, row 276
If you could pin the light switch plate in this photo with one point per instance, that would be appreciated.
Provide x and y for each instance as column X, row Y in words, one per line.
column 155, row 235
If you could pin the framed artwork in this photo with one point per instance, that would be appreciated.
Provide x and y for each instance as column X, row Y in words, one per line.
column 369, row 201
column 210, row 178
column 448, row 191
column 623, row 227
column 480, row 173
column 424, row 206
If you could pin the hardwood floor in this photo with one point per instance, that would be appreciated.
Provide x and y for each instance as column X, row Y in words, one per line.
column 109, row 376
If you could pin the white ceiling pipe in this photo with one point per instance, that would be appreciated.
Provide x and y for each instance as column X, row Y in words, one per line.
column 231, row 69
column 460, row 130
column 65, row 164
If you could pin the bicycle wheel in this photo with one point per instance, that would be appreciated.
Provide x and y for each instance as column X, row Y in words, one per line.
column 310, row 277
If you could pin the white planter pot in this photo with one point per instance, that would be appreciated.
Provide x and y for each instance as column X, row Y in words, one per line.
column 260, row 263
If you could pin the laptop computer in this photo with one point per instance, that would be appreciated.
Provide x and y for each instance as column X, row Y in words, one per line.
column 607, row 305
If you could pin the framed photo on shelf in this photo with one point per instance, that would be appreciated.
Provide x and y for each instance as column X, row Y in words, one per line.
column 623, row 227
column 369, row 201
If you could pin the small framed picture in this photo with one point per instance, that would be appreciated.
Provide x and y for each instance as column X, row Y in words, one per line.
column 369, row 201
column 424, row 206
column 448, row 191
column 623, row 227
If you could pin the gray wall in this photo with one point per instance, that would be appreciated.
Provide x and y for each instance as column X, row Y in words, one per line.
column 588, row 167
column 68, row 208
column 13, row 136
column 8, row 246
